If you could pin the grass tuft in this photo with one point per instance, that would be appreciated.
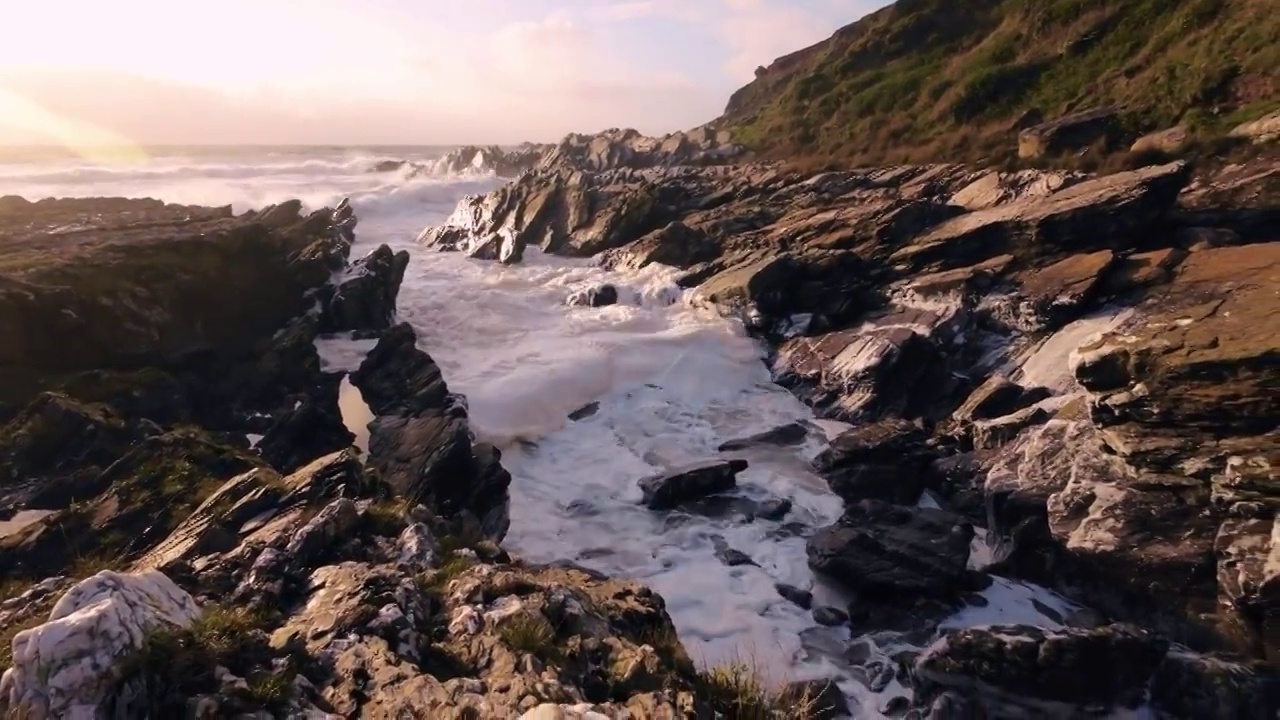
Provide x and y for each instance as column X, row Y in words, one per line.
column 175, row 664
column 531, row 634
column 737, row 691
column 388, row 518
column 436, row 582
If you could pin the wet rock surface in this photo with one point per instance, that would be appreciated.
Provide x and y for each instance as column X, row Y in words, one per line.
column 689, row 484
column 895, row 553
column 366, row 298
column 1083, row 366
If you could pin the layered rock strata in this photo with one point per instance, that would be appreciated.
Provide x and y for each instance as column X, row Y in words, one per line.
column 1085, row 367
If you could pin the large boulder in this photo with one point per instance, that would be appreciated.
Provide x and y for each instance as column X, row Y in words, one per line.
column 894, row 553
column 1050, row 673
column 311, row 428
column 64, row 668
column 669, row 490
column 886, row 460
column 894, row 363
column 1072, row 132
column 1109, row 212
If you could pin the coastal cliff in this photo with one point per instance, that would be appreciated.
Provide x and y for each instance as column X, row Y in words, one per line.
column 934, row 81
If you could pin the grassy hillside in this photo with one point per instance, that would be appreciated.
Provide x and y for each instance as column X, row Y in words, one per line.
column 942, row 79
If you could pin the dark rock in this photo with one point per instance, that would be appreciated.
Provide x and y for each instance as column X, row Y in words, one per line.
column 802, row 598
column 1194, row 686
column 783, row 435
column 366, row 299
column 420, row 441
column 830, row 616
column 675, row 244
column 734, row 558
column 1072, row 132
column 585, row 411
column 1047, row 669
column 311, row 429
column 62, row 444
column 595, row 297
column 823, row 699
column 998, row 397
column 398, row 378
column 769, row 292
column 894, row 553
column 773, row 510
column 886, row 460
column 670, row 490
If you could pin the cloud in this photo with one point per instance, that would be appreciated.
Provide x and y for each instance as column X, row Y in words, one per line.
column 268, row 71
column 632, row 10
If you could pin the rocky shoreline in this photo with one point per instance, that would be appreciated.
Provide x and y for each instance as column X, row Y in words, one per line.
column 189, row 532
column 1051, row 377
column 1084, row 368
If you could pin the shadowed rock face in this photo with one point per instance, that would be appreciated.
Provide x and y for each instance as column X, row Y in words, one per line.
column 1103, row 666
column 1090, row 362
column 137, row 283
column 420, row 440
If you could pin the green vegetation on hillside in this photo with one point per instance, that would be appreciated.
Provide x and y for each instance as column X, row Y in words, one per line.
column 928, row 80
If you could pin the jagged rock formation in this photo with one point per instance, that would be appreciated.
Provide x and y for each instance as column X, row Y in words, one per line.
column 347, row 604
column 616, row 149
column 138, row 282
column 420, row 441
column 129, row 443
column 1083, row 365
column 365, row 299
column 471, row 160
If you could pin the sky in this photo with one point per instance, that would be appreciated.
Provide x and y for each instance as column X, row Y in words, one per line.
column 385, row 71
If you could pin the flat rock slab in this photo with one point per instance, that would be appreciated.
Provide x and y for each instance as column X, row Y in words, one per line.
column 1091, row 215
column 894, row 552
column 1104, row 666
column 688, row 484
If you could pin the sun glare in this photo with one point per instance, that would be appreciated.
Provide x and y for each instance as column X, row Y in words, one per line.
column 81, row 138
